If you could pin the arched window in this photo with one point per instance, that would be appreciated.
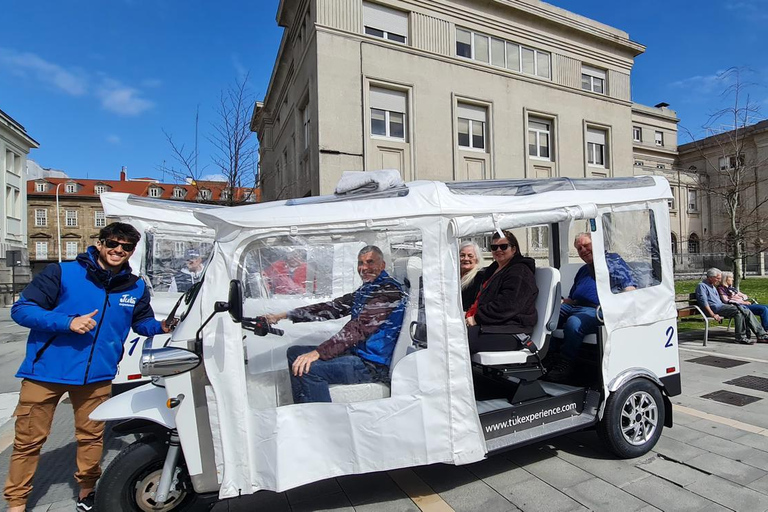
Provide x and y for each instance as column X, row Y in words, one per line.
column 694, row 246
column 674, row 243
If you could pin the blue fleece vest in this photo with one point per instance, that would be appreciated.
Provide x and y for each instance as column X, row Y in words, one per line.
column 71, row 358
column 380, row 345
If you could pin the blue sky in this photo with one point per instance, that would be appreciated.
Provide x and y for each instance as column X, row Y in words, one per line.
column 96, row 82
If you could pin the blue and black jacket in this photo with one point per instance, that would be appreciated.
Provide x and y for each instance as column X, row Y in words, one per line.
column 63, row 291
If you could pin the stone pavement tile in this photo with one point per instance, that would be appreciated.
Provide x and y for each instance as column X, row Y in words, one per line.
column 666, row 496
column 41, row 508
column 459, row 488
column 676, row 450
column 337, row 502
column 598, row 495
column 722, row 446
column 680, row 418
column 547, row 466
column 314, row 490
column 271, row 501
column 682, row 433
column 677, row 473
column 717, row 429
column 8, row 403
column 599, row 463
column 760, row 485
column 375, row 489
column 754, row 440
column 731, row 470
column 729, row 494
column 62, row 505
column 524, row 490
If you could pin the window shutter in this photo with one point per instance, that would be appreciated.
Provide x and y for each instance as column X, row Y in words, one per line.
column 472, row 112
column 595, row 136
column 383, row 18
column 589, row 70
column 387, row 99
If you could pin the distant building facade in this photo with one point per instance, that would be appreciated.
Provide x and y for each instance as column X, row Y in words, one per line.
column 445, row 90
column 15, row 145
column 80, row 215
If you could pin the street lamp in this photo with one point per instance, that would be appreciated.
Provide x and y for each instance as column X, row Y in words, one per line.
column 58, row 222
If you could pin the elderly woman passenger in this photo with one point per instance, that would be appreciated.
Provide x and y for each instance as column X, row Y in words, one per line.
column 471, row 273
column 730, row 295
column 506, row 303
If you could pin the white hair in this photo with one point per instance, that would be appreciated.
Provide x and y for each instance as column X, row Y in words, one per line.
column 714, row 271
column 467, row 278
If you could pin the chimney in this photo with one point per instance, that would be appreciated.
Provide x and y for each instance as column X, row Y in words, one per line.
column 123, row 174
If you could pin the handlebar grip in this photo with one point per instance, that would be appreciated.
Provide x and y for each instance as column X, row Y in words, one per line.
column 275, row 330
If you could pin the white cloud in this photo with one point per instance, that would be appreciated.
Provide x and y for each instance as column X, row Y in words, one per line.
column 213, row 177
column 151, row 82
column 26, row 64
column 113, row 139
column 121, row 99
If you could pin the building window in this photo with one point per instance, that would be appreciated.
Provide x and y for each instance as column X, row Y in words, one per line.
column 637, row 134
column 70, row 188
column 305, row 126
column 660, row 166
column 41, row 218
column 99, row 219
column 659, row 137
column 100, row 189
column 540, row 238
column 503, row 54
column 178, row 249
column 386, row 23
column 41, row 250
column 155, row 192
column 12, row 202
column 592, row 79
column 71, row 250
column 674, row 243
column 539, row 138
column 638, row 163
column 693, row 200
column 179, row 193
column 71, row 218
column 596, row 147
column 204, row 194
column 693, row 244
column 388, row 113
column 225, row 195
column 673, row 202
column 729, row 162
column 472, row 120
column 41, row 186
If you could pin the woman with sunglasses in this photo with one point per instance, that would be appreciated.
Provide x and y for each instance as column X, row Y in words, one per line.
column 471, row 273
column 506, row 303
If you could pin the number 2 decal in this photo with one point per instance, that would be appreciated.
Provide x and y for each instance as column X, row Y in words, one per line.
column 670, row 332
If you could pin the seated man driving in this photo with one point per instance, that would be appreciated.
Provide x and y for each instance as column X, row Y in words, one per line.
column 578, row 312
column 362, row 350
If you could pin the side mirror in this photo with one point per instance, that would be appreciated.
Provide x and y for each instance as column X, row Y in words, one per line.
column 236, row 300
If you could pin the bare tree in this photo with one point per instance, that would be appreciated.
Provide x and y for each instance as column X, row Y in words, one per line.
column 235, row 147
column 733, row 176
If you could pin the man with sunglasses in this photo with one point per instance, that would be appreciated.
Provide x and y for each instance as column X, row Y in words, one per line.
column 79, row 314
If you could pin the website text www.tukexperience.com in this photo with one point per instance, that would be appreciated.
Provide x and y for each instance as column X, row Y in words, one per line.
column 528, row 418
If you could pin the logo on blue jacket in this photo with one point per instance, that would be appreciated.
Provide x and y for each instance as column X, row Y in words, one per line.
column 128, row 300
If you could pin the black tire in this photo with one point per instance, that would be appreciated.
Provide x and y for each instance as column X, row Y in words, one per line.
column 128, row 481
column 633, row 419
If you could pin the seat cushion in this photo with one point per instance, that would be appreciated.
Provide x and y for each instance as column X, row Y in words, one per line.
column 589, row 339
column 348, row 393
column 500, row 358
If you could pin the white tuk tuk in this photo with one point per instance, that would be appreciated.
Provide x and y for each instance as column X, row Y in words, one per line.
column 218, row 417
column 169, row 231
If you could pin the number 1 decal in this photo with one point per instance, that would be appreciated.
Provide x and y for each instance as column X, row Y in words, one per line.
column 133, row 343
column 670, row 332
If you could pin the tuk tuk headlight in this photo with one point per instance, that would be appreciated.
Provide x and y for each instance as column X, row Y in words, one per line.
column 166, row 361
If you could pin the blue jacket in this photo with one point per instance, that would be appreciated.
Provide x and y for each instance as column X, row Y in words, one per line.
column 63, row 291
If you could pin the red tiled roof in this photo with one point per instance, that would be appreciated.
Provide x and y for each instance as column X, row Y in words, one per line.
column 87, row 188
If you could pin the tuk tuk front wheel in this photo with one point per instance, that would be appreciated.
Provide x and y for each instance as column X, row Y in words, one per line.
column 633, row 419
column 130, row 482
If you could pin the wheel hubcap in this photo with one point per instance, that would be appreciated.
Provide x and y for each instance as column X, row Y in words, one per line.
column 146, row 490
column 639, row 418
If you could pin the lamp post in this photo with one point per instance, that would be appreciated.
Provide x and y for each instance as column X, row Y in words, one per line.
column 58, row 223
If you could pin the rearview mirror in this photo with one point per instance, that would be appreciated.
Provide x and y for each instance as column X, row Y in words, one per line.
column 235, row 300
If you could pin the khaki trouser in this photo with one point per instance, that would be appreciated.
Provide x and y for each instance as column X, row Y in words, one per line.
column 34, row 414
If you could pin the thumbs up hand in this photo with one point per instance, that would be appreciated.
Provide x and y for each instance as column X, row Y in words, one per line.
column 83, row 324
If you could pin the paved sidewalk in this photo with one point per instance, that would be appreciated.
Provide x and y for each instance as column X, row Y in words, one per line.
column 715, row 458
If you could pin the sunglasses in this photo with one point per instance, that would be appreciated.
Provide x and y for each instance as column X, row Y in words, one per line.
column 112, row 244
column 499, row 247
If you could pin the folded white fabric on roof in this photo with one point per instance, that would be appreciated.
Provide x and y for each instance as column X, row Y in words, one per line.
column 356, row 182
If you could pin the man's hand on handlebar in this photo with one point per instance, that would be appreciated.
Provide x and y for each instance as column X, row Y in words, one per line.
column 273, row 318
column 260, row 326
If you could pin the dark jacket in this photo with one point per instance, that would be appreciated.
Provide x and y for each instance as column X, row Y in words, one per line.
column 63, row 291
column 469, row 294
column 507, row 304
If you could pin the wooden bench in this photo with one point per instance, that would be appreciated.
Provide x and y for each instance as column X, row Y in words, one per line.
column 688, row 306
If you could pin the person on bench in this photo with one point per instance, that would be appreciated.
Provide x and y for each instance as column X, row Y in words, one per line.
column 506, row 303
column 730, row 295
column 578, row 312
column 709, row 301
column 362, row 350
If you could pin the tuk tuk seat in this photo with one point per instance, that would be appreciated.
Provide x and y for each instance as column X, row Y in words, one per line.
column 548, row 307
column 408, row 272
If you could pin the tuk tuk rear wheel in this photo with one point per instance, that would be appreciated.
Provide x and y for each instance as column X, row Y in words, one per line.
column 633, row 419
column 129, row 483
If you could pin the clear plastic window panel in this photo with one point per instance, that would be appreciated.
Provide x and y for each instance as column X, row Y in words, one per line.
column 631, row 250
column 317, row 280
column 174, row 262
column 528, row 186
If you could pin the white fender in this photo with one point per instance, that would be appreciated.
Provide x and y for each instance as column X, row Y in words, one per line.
column 144, row 402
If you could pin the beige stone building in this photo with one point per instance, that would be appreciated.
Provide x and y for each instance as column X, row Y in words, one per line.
column 15, row 145
column 445, row 90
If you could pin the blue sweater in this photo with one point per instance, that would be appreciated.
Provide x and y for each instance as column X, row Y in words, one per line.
column 63, row 291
